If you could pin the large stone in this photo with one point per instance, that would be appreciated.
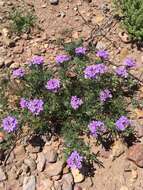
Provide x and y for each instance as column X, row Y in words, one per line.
column 19, row 152
column 135, row 154
column 129, row 166
column 67, row 182
column 55, row 169
column 41, row 161
column 2, row 175
column 33, row 149
column 50, row 153
column 117, row 150
column 29, row 183
column 78, row 177
column 31, row 163
column 87, row 183
column 57, row 185
column 45, row 184
column 138, row 127
column 51, row 156
column 25, row 169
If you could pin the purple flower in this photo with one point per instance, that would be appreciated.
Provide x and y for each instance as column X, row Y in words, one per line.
column 23, row 103
column 35, row 106
column 122, row 123
column 18, row 73
column 75, row 160
column 102, row 54
column 10, row 124
column 122, row 72
column 80, row 51
column 53, row 85
column 62, row 58
column 89, row 72
column 37, row 60
column 96, row 128
column 93, row 71
column 76, row 102
column 105, row 95
column 129, row 62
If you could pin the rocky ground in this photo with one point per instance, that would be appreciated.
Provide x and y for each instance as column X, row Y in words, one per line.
column 41, row 166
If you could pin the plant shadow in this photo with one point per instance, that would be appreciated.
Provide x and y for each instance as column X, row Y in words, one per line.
column 131, row 139
column 36, row 140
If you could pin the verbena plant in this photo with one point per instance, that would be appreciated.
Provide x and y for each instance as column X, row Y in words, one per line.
column 132, row 11
column 84, row 97
column 22, row 21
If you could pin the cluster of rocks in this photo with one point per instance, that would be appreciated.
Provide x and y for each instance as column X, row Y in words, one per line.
column 31, row 168
column 43, row 168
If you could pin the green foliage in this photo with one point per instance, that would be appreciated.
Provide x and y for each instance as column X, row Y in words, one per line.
column 22, row 21
column 132, row 11
column 58, row 116
column 70, row 47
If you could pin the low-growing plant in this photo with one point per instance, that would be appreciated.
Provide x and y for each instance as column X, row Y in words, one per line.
column 83, row 98
column 132, row 12
column 22, row 21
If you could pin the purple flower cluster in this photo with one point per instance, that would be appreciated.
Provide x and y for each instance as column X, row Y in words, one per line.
column 10, row 124
column 75, row 160
column 35, row 106
column 102, row 54
column 53, row 85
column 23, row 103
column 129, row 62
column 96, row 128
column 76, row 102
column 80, row 51
column 62, row 58
column 105, row 95
column 18, row 73
column 37, row 60
column 122, row 123
column 93, row 71
column 122, row 72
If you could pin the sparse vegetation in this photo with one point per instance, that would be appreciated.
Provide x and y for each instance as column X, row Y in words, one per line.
column 22, row 21
column 132, row 12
